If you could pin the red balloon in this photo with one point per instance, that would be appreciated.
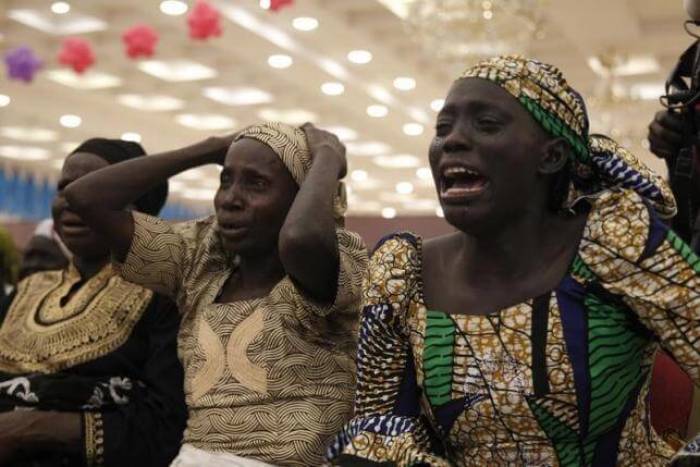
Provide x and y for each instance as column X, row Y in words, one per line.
column 276, row 5
column 77, row 54
column 140, row 40
column 204, row 21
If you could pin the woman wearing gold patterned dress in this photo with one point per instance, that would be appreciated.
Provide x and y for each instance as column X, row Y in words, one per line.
column 269, row 289
column 89, row 373
column 527, row 336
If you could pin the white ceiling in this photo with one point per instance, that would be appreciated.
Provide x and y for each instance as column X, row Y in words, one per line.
column 575, row 31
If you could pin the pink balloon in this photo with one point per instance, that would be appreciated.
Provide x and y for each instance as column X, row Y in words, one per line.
column 204, row 21
column 76, row 53
column 140, row 40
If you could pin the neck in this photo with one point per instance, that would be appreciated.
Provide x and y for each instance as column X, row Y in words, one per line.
column 257, row 270
column 509, row 251
column 88, row 267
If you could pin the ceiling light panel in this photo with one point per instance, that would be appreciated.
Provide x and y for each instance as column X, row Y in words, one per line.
column 237, row 96
column 177, row 70
column 64, row 24
column 151, row 102
column 89, row 80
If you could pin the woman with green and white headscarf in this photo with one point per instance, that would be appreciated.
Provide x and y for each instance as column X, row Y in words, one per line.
column 527, row 336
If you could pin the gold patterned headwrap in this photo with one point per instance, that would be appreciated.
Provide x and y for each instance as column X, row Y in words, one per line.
column 599, row 162
column 289, row 143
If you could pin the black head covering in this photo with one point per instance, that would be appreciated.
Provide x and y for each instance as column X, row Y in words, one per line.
column 117, row 150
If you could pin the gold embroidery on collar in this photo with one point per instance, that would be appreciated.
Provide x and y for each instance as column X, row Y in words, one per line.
column 39, row 334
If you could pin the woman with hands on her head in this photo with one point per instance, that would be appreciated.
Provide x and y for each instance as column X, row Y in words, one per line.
column 268, row 288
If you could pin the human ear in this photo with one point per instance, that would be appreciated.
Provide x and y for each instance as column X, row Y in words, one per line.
column 556, row 153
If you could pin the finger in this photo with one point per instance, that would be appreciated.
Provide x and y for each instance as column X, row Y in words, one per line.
column 658, row 133
column 663, row 152
column 671, row 120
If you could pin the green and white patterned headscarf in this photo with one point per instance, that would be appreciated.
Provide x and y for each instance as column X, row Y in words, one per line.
column 599, row 162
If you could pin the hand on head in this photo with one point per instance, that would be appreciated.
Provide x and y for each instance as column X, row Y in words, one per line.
column 326, row 143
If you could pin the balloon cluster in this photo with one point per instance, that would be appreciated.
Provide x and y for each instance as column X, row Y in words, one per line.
column 204, row 22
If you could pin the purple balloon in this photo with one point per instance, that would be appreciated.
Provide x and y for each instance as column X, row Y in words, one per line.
column 22, row 64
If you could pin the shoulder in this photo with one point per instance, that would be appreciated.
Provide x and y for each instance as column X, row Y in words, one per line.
column 393, row 268
column 621, row 224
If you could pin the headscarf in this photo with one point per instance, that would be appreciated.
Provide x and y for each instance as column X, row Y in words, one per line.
column 116, row 150
column 290, row 145
column 599, row 162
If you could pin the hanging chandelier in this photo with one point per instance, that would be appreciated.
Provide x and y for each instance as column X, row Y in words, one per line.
column 464, row 31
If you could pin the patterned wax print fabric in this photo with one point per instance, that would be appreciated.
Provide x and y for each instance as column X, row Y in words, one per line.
column 599, row 163
column 561, row 379
column 104, row 348
column 270, row 378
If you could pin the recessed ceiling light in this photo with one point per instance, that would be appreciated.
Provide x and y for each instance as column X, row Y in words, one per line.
column 404, row 83
column 26, row 153
column 176, row 70
column 404, row 188
column 437, row 104
column 439, row 212
column 131, row 136
column 289, row 116
column 424, row 173
column 342, row 132
column 265, row 4
column 367, row 148
column 359, row 175
column 413, row 129
column 173, row 7
column 4, row 100
column 377, row 111
column 89, row 80
column 280, row 61
column 388, row 213
column 150, row 103
column 400, row 161
column 305, row 23
column 206, row 121
column 238, row 96
column 488, row 14
column 360, row 57
column 45, row 21
column 60, row 8
column 332, row 88
column 36, row 135
column 70, row 121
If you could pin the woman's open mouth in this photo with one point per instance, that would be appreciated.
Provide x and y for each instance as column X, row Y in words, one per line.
column 459, row 183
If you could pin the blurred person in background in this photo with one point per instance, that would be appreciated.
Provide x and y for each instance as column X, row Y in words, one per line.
column 9, row 263
column 44, row 252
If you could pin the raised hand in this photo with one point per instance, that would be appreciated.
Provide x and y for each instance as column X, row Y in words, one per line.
column 325, row 144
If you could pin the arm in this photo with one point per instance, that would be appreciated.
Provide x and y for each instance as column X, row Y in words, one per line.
column 27, row 432
column 148, row 429
column 388, row 428
column 307, row 242
column 120, row 184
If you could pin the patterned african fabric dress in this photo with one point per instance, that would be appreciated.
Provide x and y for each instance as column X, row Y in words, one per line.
column 270, row 378
column 108, row 352
column 561, row 379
